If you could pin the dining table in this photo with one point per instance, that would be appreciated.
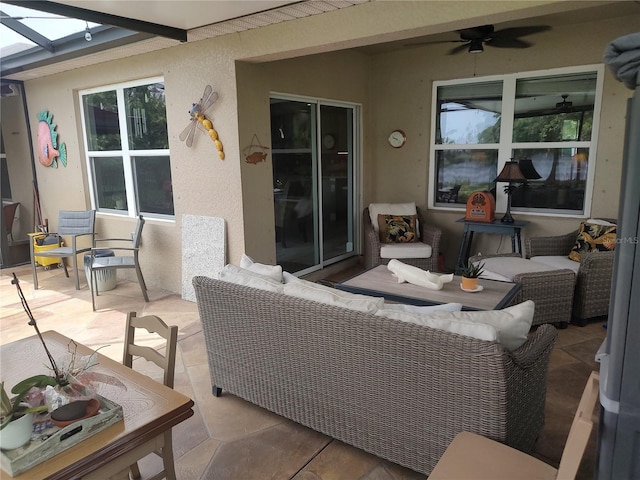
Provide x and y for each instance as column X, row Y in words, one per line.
column 149, row 410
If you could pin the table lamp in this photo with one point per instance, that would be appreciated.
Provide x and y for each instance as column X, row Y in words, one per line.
column 510, row 173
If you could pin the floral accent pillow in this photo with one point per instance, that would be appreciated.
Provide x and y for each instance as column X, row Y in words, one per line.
column 397, row 228
column 593, row 237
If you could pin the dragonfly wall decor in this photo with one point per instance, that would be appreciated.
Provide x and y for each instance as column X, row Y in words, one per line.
column 199, row 120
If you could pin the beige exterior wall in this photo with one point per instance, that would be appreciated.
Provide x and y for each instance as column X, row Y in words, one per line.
column 394, row 90
column 340, row 76
column 401, row 84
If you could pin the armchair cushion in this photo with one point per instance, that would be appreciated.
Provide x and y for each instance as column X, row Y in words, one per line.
column 557, row 262
column 376, row 209
column 504, row 269
column 405, row 250
column 599, row 236
column 397, row 228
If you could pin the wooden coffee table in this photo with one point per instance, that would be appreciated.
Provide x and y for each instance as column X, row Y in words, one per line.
column 380, row 282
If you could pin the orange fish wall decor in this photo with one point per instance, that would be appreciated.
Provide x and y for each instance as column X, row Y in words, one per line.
column 48, row 151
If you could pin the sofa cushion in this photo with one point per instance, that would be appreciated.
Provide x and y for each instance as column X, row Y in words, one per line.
column 405, row 250
column 401, row 307
column 504, row 269
column 557, row 261
column 242, row 276
column 593, row 237
column 331, row 296
column 376, row 209
column 397, row 228
column 509, row 326
column 445, row 322
column 273, row 271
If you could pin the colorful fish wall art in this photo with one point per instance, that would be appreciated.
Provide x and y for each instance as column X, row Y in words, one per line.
column 48, row 150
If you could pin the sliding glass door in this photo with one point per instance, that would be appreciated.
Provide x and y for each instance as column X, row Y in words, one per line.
column 313, row 181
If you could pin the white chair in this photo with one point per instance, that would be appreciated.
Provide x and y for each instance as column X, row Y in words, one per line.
column 471, row 456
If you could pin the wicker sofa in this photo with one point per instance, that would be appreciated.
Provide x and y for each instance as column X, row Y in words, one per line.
column 398, row 390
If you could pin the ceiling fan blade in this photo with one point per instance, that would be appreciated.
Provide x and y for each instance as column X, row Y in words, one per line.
column 419, row 44
column 507, row 43
column 476, row 33
column 519, row 31
column 460, row 48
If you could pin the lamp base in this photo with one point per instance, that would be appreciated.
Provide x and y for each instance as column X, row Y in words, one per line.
column 507, row 218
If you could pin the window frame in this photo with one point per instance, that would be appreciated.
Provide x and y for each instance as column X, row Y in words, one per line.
column 127, row 154
column 506, row 145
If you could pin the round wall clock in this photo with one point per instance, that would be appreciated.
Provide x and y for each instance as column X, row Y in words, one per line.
column 328, row 141
column 397, row 138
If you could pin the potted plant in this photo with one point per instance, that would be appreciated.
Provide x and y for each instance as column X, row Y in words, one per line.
column 470, row 276
column 16, row 416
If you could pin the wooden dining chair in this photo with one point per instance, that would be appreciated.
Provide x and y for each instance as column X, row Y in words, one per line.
column 474, row 456
column 152, row 324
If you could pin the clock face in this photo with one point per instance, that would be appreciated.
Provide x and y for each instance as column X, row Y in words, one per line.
column 397, row 138
column 328, row 141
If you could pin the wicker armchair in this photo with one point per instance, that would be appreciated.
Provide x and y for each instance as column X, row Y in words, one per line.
column 593, row 280
column 428, row 234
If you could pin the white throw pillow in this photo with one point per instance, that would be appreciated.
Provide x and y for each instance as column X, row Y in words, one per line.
column 273, row 271
column 331, row 296
column 509, row 326
column 401, row 307
column 447, row 323
column 390, row 209
column 512, row 323
column 289, row 277
column 242, row 276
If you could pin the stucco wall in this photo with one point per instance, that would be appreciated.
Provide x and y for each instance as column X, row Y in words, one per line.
column 340, row 76
column 401, row 84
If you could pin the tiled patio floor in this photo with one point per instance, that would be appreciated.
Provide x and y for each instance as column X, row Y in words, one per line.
column 228, row 438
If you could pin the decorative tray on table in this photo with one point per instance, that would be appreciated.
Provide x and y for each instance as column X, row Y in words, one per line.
column 48, row 440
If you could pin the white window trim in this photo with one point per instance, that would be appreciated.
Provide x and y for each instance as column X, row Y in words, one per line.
column 505, row 148
column 124, row 152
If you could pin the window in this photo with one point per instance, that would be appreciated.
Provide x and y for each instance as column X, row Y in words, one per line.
column 127, row 148
column 548, row 120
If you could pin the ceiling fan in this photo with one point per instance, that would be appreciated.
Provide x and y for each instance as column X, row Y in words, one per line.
column 564, row 106
column 474, row 39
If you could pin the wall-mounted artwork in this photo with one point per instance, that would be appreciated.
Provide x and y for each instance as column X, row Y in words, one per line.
column 48, row 151
column 198, row 119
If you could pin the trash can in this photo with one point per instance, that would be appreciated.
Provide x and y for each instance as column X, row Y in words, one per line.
column 106, row 278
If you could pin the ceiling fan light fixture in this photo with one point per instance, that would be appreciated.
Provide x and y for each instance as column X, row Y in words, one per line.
column 475, row 46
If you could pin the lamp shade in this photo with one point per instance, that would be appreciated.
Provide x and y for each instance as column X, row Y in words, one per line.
column 511, row 173
column 528, row 170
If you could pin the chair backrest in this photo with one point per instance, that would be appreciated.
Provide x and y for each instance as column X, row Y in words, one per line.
column 137, row 234
column 580, row 430
column 151, row 324
column 76, row 222
column 9, row 213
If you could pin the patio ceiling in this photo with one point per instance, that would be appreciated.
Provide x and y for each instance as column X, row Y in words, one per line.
column 142, row 26
column 131, row 27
